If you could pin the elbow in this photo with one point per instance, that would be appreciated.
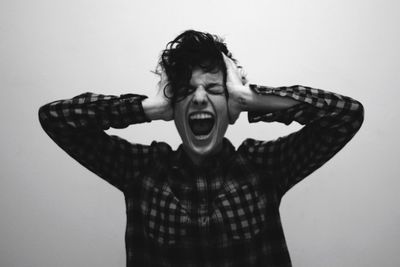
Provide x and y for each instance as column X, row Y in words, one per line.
column 43, row 113
column 357, row 110
column 44, row 116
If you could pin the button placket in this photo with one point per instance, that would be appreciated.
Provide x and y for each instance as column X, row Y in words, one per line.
column 204, row 221
column 203, row 212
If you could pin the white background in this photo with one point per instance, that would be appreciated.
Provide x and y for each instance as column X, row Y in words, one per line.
column 56, row 213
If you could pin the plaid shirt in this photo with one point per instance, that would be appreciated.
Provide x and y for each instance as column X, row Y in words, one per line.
column 225, row 213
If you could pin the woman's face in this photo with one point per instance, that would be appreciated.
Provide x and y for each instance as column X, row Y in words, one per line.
column 201, row 118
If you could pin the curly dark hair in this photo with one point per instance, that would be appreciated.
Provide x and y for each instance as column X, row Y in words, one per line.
column 189, row 50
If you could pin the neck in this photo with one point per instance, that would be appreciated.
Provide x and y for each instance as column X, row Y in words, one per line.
column 198, row 158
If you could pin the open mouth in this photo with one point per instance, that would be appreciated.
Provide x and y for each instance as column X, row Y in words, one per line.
column 201, row 123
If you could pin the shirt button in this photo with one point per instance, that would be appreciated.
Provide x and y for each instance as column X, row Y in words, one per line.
column 204, row 221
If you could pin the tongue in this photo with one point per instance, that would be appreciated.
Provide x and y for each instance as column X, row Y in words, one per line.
column 201, row 127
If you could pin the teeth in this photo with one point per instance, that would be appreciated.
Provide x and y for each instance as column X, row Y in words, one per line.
column 200, row 116
column 201, row 137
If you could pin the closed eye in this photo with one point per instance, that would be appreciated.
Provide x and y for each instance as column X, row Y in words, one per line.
column 215, row 88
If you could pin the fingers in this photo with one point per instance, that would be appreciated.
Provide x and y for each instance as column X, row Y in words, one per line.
column 163, row 84
column 163, row 78
column 231, row 68
column 235, row 73
column 243, row 75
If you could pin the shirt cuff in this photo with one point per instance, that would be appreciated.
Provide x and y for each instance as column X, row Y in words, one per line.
column 134, row 108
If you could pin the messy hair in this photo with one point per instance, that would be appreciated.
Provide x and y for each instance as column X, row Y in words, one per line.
column 189, row 50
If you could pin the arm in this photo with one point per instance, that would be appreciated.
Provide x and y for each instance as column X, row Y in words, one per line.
column 77, row 125
column 330, row 121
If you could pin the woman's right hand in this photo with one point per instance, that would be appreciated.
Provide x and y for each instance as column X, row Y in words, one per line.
column 159, row 106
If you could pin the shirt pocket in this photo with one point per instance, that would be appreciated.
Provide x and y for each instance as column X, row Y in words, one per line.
column 165, row 220
column 241, row 212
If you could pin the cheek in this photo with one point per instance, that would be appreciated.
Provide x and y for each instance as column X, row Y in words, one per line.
column 221, row 107
column 179, row 117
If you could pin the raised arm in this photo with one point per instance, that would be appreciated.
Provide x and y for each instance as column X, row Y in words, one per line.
column 78, row 126
column 330, row 121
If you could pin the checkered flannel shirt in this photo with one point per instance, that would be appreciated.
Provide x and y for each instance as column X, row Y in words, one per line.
column 225, row 213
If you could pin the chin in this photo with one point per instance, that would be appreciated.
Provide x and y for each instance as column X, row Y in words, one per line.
column 204, row 148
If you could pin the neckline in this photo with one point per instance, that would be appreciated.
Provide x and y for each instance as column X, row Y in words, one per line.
column 220, row 159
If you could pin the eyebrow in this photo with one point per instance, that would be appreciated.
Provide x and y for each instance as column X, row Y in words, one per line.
column 213, row 84
column 207, row 85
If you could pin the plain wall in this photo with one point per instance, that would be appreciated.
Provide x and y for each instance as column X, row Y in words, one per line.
column 56, row 213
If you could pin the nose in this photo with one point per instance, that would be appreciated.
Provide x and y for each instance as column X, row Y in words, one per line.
column 200, row 97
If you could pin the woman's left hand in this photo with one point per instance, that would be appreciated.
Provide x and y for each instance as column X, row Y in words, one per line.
column 238, row 89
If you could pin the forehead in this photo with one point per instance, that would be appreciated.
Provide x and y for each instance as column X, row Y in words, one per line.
column 199, row 77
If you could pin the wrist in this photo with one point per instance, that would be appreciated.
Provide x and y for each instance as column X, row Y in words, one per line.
column 155, row 109
column 243, row 97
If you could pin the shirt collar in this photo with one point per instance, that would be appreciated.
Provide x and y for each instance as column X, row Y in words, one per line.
column 182, row 161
